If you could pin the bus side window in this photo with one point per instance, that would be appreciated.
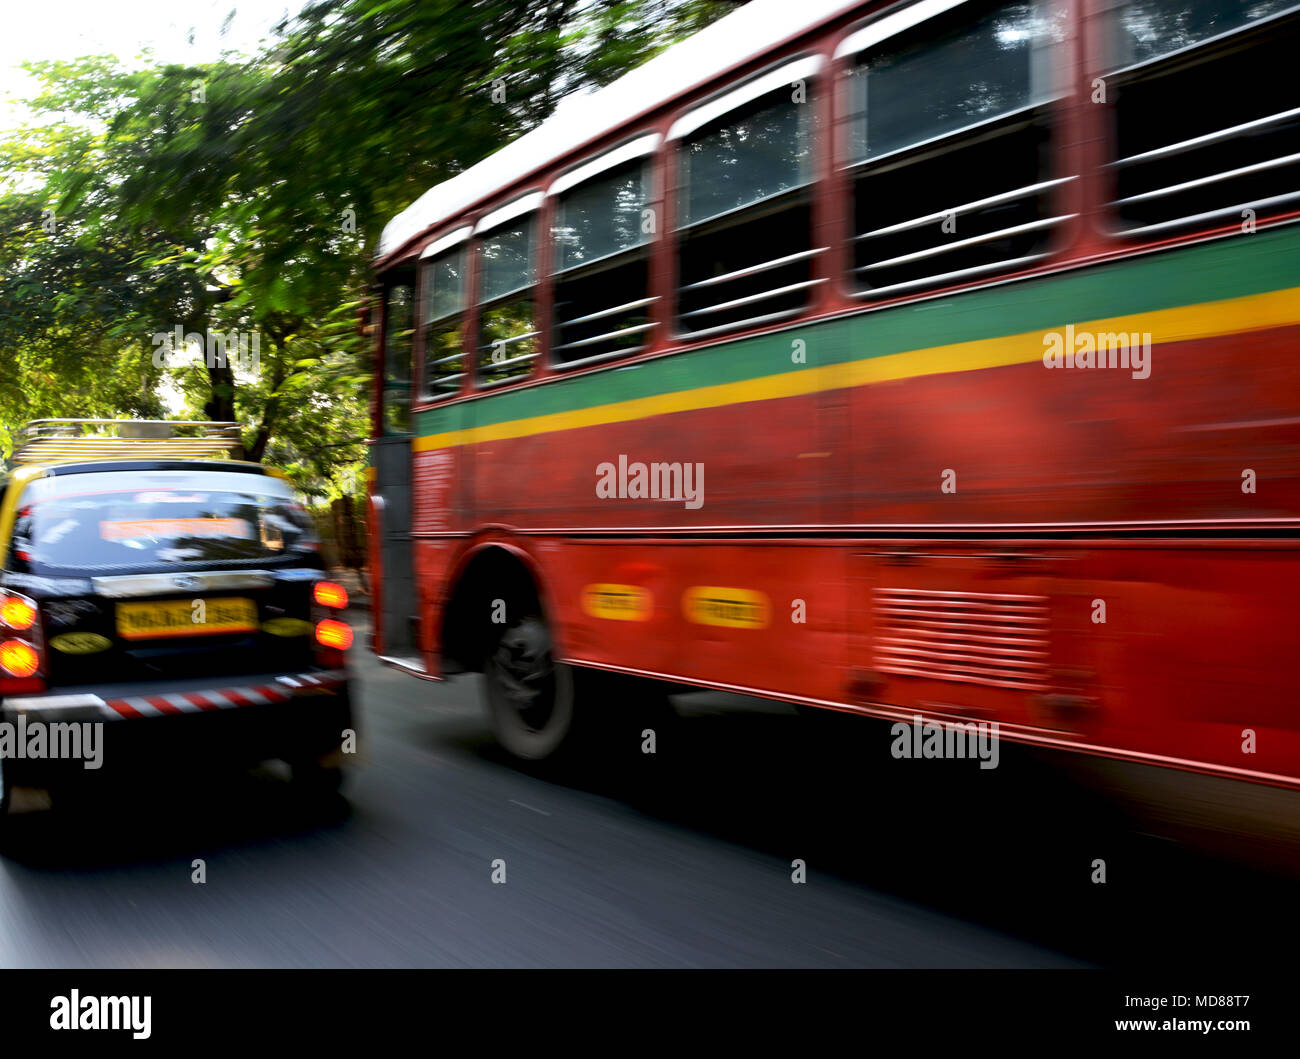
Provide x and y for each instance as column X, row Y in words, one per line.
column 744, row 206
column 399, row 334
column 949, row 147
column 602, row 274
column 507, row 339
column 442, row 318
column 1207, row 112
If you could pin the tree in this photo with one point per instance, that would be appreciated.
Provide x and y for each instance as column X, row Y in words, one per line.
column 244, row 197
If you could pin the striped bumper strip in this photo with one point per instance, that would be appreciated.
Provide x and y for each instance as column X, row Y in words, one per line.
column 166, row 704
column 224, row 699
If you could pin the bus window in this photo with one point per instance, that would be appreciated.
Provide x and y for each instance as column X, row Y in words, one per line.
column 507, row 340
column 602, row 274
column 441, row 319
column 1150, row 29
column 952, row 180
column 1207, row 112
column 399, row 332
column 743, row 208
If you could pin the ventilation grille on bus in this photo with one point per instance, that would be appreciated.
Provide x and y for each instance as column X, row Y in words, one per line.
column 999, row 641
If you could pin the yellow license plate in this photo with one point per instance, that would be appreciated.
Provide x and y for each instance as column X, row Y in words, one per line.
column 185, row 617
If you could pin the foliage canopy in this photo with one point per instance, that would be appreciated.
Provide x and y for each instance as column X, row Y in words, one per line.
column 245, row 196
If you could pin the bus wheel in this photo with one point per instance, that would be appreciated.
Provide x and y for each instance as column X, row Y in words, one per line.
column 530, row 697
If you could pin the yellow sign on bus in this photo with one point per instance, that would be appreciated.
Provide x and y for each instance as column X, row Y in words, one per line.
column 731, row 608
column 617, row 602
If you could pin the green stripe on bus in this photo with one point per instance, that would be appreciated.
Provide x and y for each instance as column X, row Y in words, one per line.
column 1226, row 268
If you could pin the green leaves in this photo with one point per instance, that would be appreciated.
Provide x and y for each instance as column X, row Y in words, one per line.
column 244, row 198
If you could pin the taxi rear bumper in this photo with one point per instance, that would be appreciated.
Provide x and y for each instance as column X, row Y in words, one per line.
column 299, row 715
column 133, row 702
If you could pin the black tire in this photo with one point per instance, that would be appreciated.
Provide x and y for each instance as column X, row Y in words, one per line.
column 313, row 778
column 543, row 710
column 4, row 797
column 316, row 768
column 531, row 699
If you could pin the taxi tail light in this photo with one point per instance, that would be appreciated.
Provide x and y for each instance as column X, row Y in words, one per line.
column 21, row 660
column 329, row 594
column 334, row 634
column 17, row 613
column 331, row 637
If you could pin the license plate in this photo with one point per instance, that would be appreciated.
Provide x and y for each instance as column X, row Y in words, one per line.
column 185, row 617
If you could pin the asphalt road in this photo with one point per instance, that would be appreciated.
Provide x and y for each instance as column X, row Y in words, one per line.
column 680, row 859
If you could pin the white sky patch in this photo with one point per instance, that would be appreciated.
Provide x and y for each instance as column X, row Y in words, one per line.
column 177, row 361
column 169, row 391
column 68, row 29
column 175, row 31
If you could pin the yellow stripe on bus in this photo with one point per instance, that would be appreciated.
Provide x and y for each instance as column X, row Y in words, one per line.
column 1253, row 312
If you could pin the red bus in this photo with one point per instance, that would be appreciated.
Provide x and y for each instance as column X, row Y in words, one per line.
column 932, row 358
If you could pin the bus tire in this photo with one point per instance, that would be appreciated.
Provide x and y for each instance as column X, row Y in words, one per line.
column 531, row 699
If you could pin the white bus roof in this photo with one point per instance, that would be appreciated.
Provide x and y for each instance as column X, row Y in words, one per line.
column 744, row 34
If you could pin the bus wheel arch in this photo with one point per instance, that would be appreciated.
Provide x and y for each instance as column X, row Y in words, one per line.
column 496, row 622
column 493, row 584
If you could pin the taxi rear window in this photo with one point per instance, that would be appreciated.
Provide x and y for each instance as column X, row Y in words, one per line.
column 107, row 520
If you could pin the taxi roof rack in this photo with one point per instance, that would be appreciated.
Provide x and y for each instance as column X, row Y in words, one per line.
column 66, row 440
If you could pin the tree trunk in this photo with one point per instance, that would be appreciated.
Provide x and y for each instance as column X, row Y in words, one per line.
column 220, row 406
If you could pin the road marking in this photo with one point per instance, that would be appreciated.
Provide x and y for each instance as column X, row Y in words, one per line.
column 523, row 806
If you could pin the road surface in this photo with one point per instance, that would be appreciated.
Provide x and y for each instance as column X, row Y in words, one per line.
column 681, row 859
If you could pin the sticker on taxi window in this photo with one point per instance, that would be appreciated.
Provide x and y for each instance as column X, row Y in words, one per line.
column 731, row 608
column 175, row 527
column 168, row 497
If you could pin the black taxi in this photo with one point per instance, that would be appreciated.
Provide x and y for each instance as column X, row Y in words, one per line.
column 160, row 601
